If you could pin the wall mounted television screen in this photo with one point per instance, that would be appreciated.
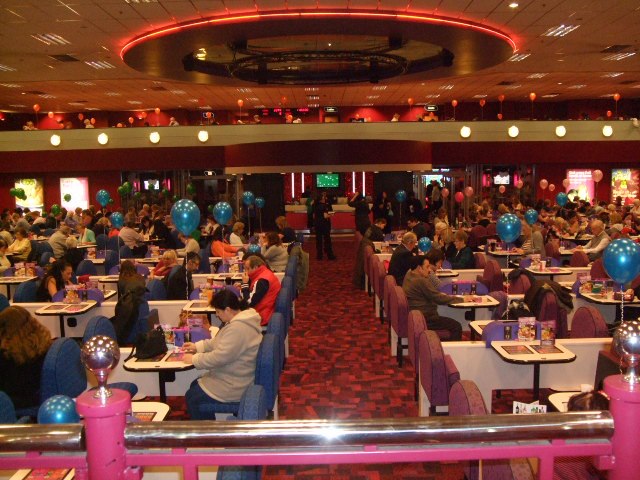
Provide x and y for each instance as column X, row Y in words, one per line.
column 502, row 178
column 152, row 183
column 328, row 180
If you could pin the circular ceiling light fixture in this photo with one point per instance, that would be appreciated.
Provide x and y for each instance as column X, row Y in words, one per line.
column 465, row 132
column 203, row 136
column 607, row 130
column 296, row 47
column 561, row 131
column 154, row 137
column 55, row 140
column 513, row 131
column 103, row 139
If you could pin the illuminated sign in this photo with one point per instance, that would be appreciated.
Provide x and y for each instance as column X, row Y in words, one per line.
column 78, row 188
column 581, row 184
column 34, row 191
column 625, row 183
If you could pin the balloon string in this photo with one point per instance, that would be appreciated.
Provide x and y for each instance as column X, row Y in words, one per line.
column 621, row 303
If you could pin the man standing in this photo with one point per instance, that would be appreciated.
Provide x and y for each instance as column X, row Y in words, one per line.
column 422, row 294
column 359, row 203
column 322, row 212
column 595, row 247
column 260, row 287
column 401, row 259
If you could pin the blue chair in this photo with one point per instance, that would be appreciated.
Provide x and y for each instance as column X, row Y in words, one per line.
column 44, row 247
column 268, row 370
column 8, row 412
column 110, row 260
column 99, row 325
column 253, row 406
column 464, row 288
column 278, row 327
column 25, row 293
column 125, row 252
column 86, row 267
column 49, row 231
column 45, row 259
column 141, row 269
column 4, row 302
column 101, row 241
column 156, row 289
column 114, row 243
column 290, row 284
column 283, row 305
column 205, row 266
column 292, row 268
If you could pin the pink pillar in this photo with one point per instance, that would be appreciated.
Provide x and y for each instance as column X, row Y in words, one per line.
column 625, row 408
column 104, row 431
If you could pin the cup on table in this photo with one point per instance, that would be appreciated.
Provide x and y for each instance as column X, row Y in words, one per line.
column 543, row 265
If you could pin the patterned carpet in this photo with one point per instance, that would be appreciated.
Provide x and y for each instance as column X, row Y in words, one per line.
column 340, row 368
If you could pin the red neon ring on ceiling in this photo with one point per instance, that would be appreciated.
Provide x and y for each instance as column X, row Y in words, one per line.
column 415, row 17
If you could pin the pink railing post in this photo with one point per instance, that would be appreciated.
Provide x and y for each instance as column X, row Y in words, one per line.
column 105, row 421
column 625, row 408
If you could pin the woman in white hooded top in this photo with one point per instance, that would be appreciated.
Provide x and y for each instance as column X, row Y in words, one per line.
column 229, row 358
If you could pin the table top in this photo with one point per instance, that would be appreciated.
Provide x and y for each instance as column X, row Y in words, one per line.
column 566, row 251
column 597, row 298
column 198, row 306
column 559, row 400
column 532, row 352
column 109, row 278
column 96, row 261
column 220, row 277
column 478, row 325
column 550, row 271
column 169, row 361
column 148, row 260
column 60, row 308
column 149, row 411
column 484, row 301
column 16, row 280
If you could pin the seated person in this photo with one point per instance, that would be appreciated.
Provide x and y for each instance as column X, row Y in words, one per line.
column 260, row 287
column 287, row 234
column 24, row 343
column 402, row 256
column 58, row 241
column 210, row 226
column 165, row 265
column 229, row 358
column 219, row 247
column 600, row 240
column 86, row 235
column 131, row 290
column 73, row 254
column 417, row 227
column 424, row 296
column 179, row 281
column 462, row 257
column 102, row 226
column 132, row 239
column 21, row 246
column 274, row 252
column 57, row 277
column 532, row 241
column 4, row 261
column 375, row 232
column 237, row 235
column 191, row 245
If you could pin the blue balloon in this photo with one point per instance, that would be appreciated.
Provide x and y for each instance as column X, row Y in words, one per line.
column 531, row 216
column 248, row 198
column 58, row 409
column 260, row 202
column 222, row 212
column 117, row 220
column 621, row 260
column 186, row 216
column 103, row 197
column 562, row 199
column 253, row 248
column 424, row 244
column 509, row 227
column 401, row 196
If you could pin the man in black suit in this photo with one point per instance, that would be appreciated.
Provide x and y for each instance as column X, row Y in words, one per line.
column 402, row 257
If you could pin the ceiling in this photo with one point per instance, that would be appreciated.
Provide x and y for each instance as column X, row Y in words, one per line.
column 556, row 68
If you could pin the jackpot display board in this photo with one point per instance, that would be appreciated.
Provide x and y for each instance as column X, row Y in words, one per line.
column 625, row 183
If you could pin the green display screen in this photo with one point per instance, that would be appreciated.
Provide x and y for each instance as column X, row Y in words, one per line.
column 327, row 180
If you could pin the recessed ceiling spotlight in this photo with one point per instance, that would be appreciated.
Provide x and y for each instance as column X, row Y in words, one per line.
column 561, row 131
column 55, row 140
column 103, row 139
column 203, row 136
column 607, row 130
column 465, row 132
column 154, row 137
column 513, row 131
column 514, row 5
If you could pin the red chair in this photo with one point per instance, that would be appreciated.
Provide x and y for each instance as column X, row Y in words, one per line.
column 480, row 260
column 579, row 259
column 379, row 273
column 388, row 283
column 368, row 253
column 492, row 230
column 597, row 270
column 477, row 237
column 550, row 310
column 588, row 323
column 521, row 284
column 492, row 276
column 552, row 250
column 415, row 326
column 398, row 318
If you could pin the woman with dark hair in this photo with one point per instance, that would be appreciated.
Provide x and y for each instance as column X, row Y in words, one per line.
column 58, row 276
column 129, row 278
column 24, row 343
column 274, row 252
column 145, row 225
column 229, row 358
column 220, row 247
column 131, row 289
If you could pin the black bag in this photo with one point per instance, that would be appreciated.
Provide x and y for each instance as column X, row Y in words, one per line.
column 516, row 309
column 150, row 344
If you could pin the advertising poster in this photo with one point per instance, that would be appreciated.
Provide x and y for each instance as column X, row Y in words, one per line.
column 625, row 183
column 78, row 188
column 34, row 190
column 581, row 184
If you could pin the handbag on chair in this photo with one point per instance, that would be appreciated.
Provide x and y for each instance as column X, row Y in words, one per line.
column 150, row 344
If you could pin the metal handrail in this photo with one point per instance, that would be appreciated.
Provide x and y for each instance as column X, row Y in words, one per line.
column 324, row 433
column 43, row 438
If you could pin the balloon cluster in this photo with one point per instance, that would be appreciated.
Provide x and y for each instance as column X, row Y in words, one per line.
column 103, row 197
column 125, row 189
column 18, row 193
column 191, row 189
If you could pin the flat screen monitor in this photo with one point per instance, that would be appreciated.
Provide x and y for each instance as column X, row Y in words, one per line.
column 502, row 178
column 328, row 180
column 152, row 183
